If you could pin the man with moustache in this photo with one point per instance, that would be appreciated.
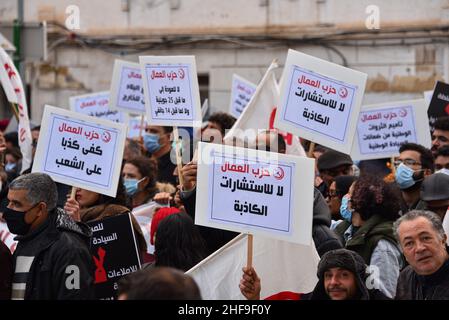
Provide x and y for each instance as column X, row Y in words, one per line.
column 423, row 241
column 341, row 276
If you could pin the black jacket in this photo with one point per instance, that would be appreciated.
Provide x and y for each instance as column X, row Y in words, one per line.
column 412, row 286
column 325, row 239
column 165, row 168
column 54, row 261
column 5, row 272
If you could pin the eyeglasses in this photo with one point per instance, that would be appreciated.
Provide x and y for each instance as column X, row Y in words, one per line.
column 407, row 162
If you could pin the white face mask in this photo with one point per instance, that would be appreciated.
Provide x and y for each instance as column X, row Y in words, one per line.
column 444, row 170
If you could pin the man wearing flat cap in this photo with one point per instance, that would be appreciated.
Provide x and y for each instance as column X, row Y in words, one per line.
column 332, row 164
column 435, row 192
column 341, row 276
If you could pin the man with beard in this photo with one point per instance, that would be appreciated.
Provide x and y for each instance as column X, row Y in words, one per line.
column 440, row 134
column 414, row 163
column 341, row 276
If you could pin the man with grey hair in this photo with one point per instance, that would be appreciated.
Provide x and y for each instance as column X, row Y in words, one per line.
column 52, row 259
column 423, row 242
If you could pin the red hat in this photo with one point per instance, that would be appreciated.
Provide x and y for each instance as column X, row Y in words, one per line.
column 4, row 124
column 158, row 217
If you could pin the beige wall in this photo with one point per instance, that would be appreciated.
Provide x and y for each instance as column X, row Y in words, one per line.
column 395, row 72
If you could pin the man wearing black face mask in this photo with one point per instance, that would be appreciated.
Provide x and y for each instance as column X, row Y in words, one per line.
column 52, row 259
column 414, row 163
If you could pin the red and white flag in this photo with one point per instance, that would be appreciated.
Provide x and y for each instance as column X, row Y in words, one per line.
column 286, row 269
column 260, row 113
column 12, row 84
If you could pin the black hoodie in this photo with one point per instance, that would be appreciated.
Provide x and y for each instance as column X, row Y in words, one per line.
column 351, row 261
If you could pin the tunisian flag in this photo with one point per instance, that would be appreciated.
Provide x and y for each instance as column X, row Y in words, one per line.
column 260, row 113
column 12, row 84
column 285, row 269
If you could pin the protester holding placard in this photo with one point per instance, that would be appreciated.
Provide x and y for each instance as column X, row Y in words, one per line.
column 52, row 247
column 342, row 275
column 91, row 206
column 413, row 164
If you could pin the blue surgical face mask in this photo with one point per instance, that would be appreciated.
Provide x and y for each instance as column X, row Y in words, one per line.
column 131, row 186
column 10, row 166
column 444, row 170
column 345, row 212
column 151, row 142
column 404, row 176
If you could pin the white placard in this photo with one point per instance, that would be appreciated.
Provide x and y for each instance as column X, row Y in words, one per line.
column 320, row 101
column 7, row 237
column 96, row 105
column 80, row 151
column 241, row 92
column 127, row 88
column 171, row 91
column 134, row 127
column 246, row 190
column 383, row 128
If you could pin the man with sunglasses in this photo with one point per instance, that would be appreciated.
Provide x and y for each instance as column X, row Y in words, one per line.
column 414, row 163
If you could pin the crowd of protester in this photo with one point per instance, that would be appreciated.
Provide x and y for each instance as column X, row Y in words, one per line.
column 385, row 215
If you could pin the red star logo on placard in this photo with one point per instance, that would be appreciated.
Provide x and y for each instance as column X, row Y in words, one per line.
column 447, row 109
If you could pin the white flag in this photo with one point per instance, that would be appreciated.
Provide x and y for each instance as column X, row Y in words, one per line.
column 446, row 226
column 12, row 84
column 283, row 267
column 260, row 113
